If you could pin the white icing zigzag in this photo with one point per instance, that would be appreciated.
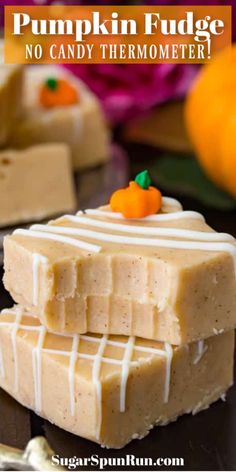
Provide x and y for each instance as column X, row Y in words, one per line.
column 53, row 230
column 169, row 201
column 191, row 240
column 177, row 215
column 201, row 349
column 37, row 369
column 147, row 230
column 73, row 359
column 96, row 380
column 125, row 370
column 37, row 259
column 98, row 359
column 70, row 235
column 61, row 239
column 169, row 355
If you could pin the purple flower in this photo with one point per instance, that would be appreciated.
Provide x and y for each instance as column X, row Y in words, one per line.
column 129, row 89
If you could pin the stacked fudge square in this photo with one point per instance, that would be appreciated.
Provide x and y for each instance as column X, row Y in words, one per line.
column 120, row 324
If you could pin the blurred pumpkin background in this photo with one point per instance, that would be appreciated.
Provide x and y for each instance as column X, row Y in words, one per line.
column 179, row 121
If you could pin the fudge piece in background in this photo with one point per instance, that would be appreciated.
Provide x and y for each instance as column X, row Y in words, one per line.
column 35, row 183
column 79, row 122
column 11, row 96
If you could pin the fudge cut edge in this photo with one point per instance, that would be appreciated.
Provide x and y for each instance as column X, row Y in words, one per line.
column 152, row 390
column 197, row 302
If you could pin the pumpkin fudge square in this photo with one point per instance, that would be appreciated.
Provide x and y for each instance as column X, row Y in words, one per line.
column 58, row 107
column 35, row 183
column 167, row 276
column 109, row 389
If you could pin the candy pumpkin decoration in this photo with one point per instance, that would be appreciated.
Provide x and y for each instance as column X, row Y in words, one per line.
column 57, row 93
column 138, row 200
column 211, row 119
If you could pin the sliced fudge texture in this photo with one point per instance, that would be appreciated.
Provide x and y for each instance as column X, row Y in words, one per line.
column 168, row 277
column 35, row 183
column 81, row 126
column 11, row 92
column 109, row 389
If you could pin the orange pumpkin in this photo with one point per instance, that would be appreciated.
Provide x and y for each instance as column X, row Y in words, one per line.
column 57, row 93
column 211, row 119
column 138, row 200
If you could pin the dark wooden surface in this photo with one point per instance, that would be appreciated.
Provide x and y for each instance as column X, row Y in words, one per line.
column 206, row 441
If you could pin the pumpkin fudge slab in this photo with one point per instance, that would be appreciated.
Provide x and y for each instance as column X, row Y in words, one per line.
column 80, row 125
column 35, row 183
column 168, row 277
column 86, row 384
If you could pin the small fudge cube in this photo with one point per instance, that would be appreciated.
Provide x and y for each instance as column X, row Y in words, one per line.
column 35, row 183
column 109, row 389
column 80, row 125
column 11, row 92
column 168, row 277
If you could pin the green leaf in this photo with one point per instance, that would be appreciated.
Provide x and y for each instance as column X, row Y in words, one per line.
column 52, row 83
column 143, row 179
column 184, row 175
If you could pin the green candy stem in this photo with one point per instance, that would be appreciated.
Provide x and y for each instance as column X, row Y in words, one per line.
column 143, row 179
column 52, row 83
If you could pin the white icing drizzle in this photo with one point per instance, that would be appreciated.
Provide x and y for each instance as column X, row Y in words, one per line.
column 177, row 215
column 71, row 374
column 151, row 230
column 227, row 247
column 223, row 397
column 201, row 349
column 170, row 201
column 19, row 313
column 97, row 359
column 54, row 237
column 125, row 371
column 37, row 259
column 37, row 369
column 191, row 240
column 169, row 356
column 97, row 382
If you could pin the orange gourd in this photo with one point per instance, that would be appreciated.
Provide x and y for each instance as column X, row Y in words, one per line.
column 138, row 200
column 57, row 93
column 211, row 119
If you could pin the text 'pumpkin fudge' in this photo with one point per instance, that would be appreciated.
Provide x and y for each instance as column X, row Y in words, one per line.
column 60, row 108
column 35, row 183
column 109, row 389
column 167, row 276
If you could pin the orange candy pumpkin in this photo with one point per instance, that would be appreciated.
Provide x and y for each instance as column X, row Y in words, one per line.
column 57, row 93
column 211, row 119
column 138, row 200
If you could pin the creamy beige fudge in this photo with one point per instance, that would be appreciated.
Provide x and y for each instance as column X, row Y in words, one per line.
column 35, row 183
column 11, row 91
column 81, row 126
column 168, row 277
column 109, row 389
